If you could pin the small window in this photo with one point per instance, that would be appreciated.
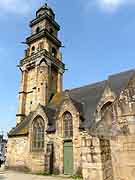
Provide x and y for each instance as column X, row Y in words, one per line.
column 37, row 29
column 51, row 31
column 40, row 46
column 54, row 52
column 33, row 49
column 39, row 15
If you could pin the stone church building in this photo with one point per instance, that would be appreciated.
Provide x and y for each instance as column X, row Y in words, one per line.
column 88, row 130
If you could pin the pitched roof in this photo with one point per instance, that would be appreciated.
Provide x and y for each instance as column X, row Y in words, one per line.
column 117, row 82
column 89, row 96
column 22, row 128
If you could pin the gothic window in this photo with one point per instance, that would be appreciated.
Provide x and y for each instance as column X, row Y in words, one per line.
column 104, row 108
column 68, row 125
column 38, row 134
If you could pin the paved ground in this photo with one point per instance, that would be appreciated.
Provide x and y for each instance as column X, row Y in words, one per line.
column 11, row 175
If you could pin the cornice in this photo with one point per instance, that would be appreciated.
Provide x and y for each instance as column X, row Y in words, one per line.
column 42, row 54
column 43, row 33
column 45, row 16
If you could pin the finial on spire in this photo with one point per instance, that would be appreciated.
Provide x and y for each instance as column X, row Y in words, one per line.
column 46, row 2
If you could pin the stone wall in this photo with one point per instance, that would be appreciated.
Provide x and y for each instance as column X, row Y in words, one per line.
column 123, row 130
column 57, row 153
column 37, row 162
column 106, row 159
column 17, row 153
column 96, row 158
column 91, row 158
column 123, row 157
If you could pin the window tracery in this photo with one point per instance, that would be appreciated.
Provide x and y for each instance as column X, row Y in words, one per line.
column 38, row 134
column 68, row 125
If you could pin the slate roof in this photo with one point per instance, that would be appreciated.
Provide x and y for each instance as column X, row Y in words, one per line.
column 119, row 81
column 22, row 128
column 85, row 99
column 50, row 112
column 89, row 97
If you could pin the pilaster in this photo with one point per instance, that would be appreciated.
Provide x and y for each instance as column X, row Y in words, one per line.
column 22, row 97
column 60, row 82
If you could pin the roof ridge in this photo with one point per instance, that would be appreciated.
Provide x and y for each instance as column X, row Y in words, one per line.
column 88, row 85
column 122, row 72
column 98, row 82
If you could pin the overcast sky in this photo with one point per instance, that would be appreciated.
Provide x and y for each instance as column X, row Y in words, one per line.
column 98, row 35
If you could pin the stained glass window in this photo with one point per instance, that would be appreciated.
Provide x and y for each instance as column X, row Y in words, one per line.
column 68, row 125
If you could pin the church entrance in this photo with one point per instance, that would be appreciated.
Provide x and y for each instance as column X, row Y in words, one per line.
column 68, row 157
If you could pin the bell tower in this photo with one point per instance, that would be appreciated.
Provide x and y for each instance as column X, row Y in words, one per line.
column 42, row 68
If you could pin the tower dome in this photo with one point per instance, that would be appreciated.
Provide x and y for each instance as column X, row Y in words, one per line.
column 45, row 9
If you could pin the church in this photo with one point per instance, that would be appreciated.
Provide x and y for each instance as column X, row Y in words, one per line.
column 87, row 131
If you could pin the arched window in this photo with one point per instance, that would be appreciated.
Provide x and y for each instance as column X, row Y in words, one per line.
column 68, row 125
column 38, row 134
column 33, row 49
column 41, row 46
column 104, row 108
column 37, row 29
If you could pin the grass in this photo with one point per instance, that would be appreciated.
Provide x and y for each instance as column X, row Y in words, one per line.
column 76, row 177
column 43, row 174
column 65, row 177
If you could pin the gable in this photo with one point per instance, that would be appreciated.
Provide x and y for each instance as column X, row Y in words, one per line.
column 22, row 129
